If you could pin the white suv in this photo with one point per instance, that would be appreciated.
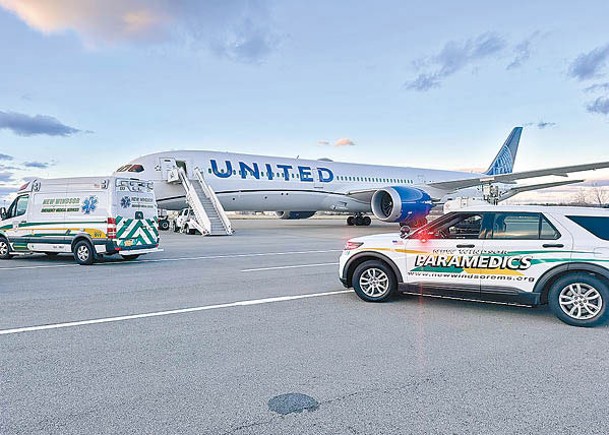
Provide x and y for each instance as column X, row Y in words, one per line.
column 514, row 254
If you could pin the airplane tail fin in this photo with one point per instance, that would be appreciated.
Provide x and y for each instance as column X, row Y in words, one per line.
column 504, row 161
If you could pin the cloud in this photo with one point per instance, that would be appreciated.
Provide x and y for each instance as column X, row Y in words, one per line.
column 323, row 142
column 37, row 165
column 454, row 57
column 238, row 29
column 522, row 52
column 589, row 65
column 345, row 141
column 544, row 124
column 6, row 176
column 25, row 125
column 603, row 87
column 5, row 157
column 600, row 105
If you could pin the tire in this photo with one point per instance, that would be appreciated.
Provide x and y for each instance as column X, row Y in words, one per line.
column 374, row 281
column 130, row 257
column 5, row 249
column 359, row 221
column 367, row 221
column 83, row 253
column 580, row 299
column 174, row 227
column 350, row 221
column 163, row 225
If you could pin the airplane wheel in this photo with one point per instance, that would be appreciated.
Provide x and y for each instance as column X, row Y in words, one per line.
column 359, row 221
column 367, row 220
column 350, row 221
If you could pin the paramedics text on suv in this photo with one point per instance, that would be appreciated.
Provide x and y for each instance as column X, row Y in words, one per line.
column 523, row 255
column 86, row 216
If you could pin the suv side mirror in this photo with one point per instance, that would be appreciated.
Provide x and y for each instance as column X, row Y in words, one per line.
column 2, row 213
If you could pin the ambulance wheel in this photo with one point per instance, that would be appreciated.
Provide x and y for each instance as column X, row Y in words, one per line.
column 374, row 281
column 163, row 225
column 580, row 299
column 5, row 249
column 83, row 252
column 130, row 257
column 350, row 221
column 367, row 221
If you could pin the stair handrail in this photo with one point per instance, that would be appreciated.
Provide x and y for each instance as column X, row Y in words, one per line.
column 193, row 200
column 215, row 202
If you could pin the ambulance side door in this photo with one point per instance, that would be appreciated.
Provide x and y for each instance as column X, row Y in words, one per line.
column 16, row 217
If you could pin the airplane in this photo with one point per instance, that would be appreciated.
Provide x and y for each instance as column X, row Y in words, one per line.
column 297, row 188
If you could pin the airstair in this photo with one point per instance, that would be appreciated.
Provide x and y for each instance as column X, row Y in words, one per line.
column 210, row 217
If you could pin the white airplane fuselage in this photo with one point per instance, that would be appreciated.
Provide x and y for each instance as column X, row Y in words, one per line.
column 246, row 182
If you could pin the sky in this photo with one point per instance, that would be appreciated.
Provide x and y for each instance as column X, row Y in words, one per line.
column 87, row 85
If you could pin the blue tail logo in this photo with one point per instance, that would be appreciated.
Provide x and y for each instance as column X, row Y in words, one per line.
column 504, row 161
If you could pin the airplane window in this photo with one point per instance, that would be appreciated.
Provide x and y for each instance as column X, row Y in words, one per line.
column 136, row 168
column 209, row 170
column 234, row 172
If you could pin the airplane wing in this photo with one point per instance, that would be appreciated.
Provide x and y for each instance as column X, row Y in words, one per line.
column 516, row 190
column 512, row 177
column 364, row 195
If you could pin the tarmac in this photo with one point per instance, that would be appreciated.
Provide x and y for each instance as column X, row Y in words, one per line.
column 254, row 334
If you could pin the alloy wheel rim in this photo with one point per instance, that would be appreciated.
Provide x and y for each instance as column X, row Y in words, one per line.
column 3, row 248
column 374, row 282
column 83, row 253
column 580, row 301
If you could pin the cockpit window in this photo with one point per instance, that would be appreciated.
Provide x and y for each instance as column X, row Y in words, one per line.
column 131, row 168
column 136, row 168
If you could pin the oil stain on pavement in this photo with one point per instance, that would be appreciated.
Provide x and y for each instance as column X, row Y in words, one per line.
column 290, row 403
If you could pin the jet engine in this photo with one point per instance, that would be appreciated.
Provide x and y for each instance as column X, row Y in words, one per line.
column 401, row 204
column 294, row 214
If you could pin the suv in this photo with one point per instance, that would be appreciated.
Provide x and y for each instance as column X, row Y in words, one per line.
column 512, row 254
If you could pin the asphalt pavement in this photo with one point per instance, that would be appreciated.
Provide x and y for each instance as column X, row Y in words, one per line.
column 254, row 334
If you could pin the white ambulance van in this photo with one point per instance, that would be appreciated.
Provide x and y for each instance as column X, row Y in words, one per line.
column 88, row 217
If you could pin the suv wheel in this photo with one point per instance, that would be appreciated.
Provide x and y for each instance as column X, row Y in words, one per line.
column 5, row 249
column 580, row 299
column 374, row 281
column 83, row 253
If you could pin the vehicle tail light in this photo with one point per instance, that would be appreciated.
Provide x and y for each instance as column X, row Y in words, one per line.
column 352, row 245
column 111, row 233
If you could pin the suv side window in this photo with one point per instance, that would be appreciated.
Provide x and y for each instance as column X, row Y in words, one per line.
column 460, row 226
column 597, row 225
column 522, row 226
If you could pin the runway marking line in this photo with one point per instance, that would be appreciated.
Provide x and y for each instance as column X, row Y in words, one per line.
column 293, row 266
column 160, row 260
column 245, row 303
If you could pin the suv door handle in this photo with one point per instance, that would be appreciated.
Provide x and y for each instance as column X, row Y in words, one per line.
column 553, row 245
column 466, row 246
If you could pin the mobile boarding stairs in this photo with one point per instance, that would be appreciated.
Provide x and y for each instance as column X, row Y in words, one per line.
column 210, row 217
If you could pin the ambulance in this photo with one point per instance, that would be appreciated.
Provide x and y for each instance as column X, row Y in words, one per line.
column 88, row 217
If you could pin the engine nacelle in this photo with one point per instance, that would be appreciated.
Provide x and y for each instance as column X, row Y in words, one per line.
column 294, row 214
column 401, row 204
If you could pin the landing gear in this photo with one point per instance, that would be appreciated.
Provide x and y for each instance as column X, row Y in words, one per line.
column 359, row 220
